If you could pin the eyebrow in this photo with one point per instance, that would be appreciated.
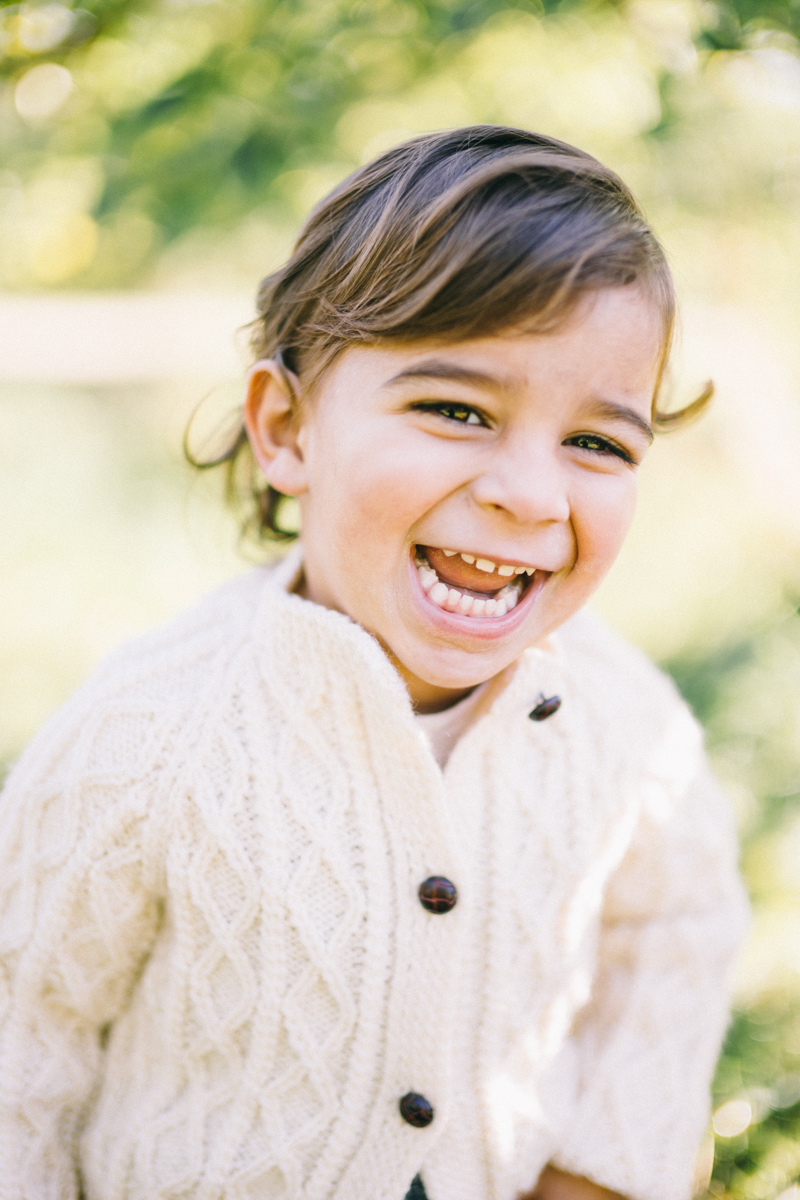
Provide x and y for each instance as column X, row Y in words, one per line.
column 436, row 368
column 620, row 412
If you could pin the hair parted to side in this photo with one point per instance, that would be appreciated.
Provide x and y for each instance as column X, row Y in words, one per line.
column 454, row 235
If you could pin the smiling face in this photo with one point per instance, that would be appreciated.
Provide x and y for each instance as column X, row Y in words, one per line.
column 461, row 500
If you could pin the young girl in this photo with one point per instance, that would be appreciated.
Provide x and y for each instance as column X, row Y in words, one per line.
column 387, row 868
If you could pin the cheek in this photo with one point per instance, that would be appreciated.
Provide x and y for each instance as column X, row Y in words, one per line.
column 603, row 518
column 378, row 485
column 364, row 499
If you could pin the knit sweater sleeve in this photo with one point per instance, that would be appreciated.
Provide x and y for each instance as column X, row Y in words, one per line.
column 78, row 914
column 648, row 1040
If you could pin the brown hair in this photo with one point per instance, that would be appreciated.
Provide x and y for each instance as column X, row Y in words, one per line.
column 457, row 235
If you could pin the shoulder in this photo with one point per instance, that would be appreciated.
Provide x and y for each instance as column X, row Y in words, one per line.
column 683, row 848
column 188, row 652
column 619, row 689
column 194, row 639
column 130, row 713
column 642, row 737
column 589, row 646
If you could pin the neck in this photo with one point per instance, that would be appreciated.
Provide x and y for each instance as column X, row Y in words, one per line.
column 427, row 697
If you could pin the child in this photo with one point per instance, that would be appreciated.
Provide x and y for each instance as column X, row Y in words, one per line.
column 386, row 868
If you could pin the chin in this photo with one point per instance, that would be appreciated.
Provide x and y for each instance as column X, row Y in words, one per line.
column 454, row 668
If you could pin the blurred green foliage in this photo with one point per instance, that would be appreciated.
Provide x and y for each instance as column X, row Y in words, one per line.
column 199, row 106
column 189, row 111
column 747, row 695
column 125, row 124
column 734, row 24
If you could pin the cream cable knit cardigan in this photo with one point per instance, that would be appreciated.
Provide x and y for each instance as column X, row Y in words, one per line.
column 217, row 979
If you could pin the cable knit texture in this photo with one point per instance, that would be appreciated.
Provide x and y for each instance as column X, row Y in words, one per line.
column 217, row 979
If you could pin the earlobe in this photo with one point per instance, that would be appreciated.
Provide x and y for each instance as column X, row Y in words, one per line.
column 273, row 427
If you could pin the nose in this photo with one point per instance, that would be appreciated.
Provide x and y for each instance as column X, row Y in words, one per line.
column 525, row 481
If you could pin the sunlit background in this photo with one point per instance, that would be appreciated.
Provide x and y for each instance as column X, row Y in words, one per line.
column 157, row 158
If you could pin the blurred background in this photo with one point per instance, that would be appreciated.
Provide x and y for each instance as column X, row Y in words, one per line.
column 156, row 160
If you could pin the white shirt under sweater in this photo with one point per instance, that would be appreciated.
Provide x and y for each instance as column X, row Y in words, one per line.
column 217, row 980
column 443, row 729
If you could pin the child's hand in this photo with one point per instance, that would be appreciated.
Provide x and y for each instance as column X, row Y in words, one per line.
column 558, row 1185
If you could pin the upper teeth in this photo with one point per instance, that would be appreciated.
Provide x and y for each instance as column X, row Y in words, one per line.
column 486, row 564
column 454, row 600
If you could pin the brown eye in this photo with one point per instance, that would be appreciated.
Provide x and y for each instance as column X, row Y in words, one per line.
column 462, row 413
column 599, row 445
column 466, row 415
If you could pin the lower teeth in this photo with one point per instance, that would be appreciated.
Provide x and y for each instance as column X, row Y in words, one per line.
column 452, row 600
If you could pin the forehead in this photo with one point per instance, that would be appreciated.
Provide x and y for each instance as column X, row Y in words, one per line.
column 612, row 339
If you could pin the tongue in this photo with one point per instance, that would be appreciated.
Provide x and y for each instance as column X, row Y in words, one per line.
column 460, row 574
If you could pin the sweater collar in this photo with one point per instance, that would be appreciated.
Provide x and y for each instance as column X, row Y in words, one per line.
column 305, row 642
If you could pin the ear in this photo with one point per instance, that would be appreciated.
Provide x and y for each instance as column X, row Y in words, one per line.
column 272, row 424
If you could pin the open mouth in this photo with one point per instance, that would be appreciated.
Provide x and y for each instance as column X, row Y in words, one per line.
column 464, row 583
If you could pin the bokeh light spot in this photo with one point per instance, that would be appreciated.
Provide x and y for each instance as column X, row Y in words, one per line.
column 42, row 90
column 65, row 248
column 41, row 27
column 732, row 1118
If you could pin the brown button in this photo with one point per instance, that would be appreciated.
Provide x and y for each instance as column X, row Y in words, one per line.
column 545, row 708
column 416, row 1110
column 438, row 894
